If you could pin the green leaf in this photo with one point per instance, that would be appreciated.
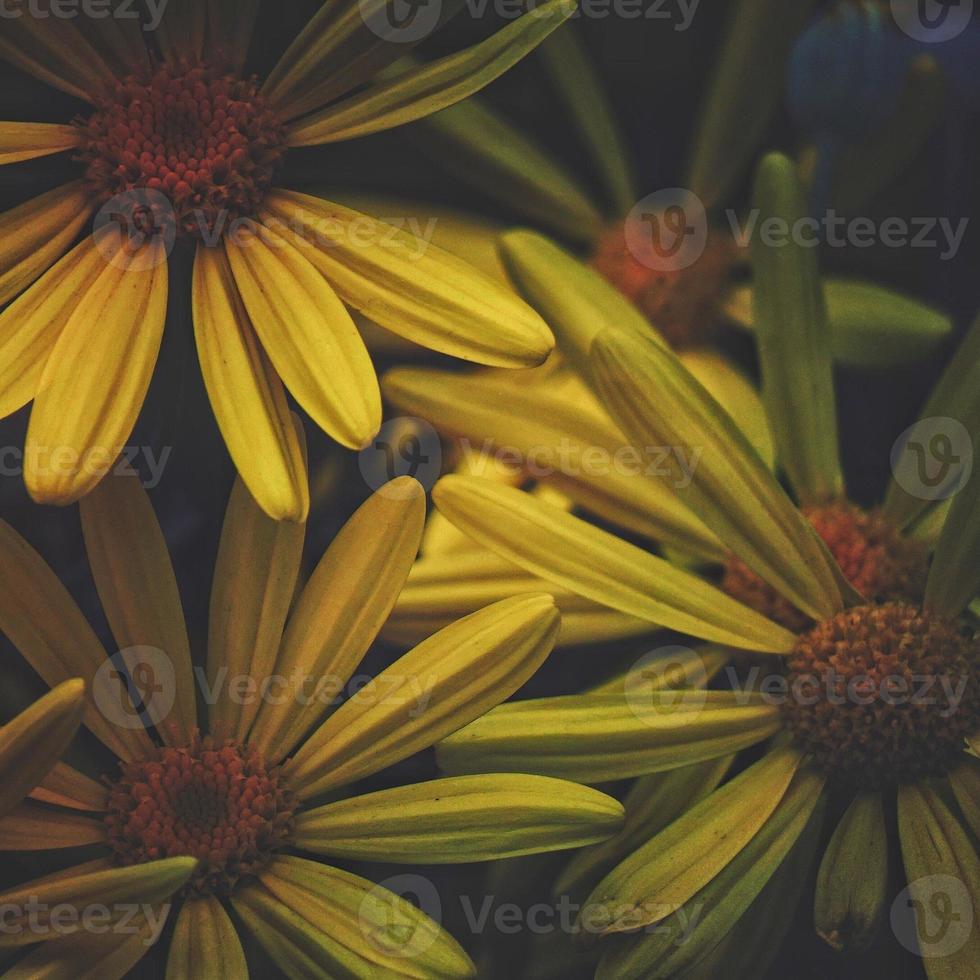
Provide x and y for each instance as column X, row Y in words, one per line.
column 792, row 335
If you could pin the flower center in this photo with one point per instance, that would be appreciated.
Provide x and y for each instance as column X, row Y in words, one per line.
column 682, row 301
column 875, row 558
column 205, row 143
column 218, row 803
column 883, row 694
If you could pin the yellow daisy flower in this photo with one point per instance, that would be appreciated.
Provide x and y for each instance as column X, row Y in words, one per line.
column 179, row 148
column 859, row 624
column 211, row 812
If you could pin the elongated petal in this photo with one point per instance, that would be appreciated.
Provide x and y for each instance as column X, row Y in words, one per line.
column 91, row 956
column 582, row 91
column 34, row 235
column 342, row 608
column 324, row 923
column 743, row 95
column 42, row 620
column 956, row 397
column 67, row 787
column 30, row 827
column 954, row 575
column 561, row 441
column 575, row 300
column 792, row 334
column 32, row 743
column 853, row 878
column 53, row 50
column 96, row 377
column 138, row 589
column 469, row 818
column 308, row 335
column 870, row 326
column 31, row 325
column 936, row 847
column 25, row 141
column 182, row 31
column 485, row 150
column 565, row 549
column 685, row 943
column 412, row 287
column 31, row 906
column 444, row 588
column 436, row 86
column 205, row 943
column 444, row 683
column 246, row 394
column 658, row 403
column 254, row 583
column 230, row 27
column 673, row 866
column 653, row 802
column 593, row 738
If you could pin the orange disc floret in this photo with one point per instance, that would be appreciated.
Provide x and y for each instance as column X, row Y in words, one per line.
column 874, row 556
column 884, row 694
column 215, row 802
column 205, row 140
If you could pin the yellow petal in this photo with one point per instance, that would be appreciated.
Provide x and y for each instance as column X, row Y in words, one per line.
column 96, row 378
column 205, row 943
column 67, row 787
column 445, row 682
column 560, row 439
column 254, row 583
column 138, row 589
column 31, row 325
column 34, row 235
column 793, row 340
column 683, row 858
column 342, row 608
column 322, row 923
column 421, row 92
column 42, row 620
column 246, row 394
column 410, row 286
column 116, row 888
column 25, row 141
column 32, row 743
column 308, row 335
column 593, row 738
column 30, row 827
column 657, row 402
column 565, row 549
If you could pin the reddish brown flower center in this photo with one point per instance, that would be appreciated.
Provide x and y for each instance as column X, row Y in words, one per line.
column 684, row 304
column 205, row 143
column 218, row 803
column 874, row 557
column 884, row 694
